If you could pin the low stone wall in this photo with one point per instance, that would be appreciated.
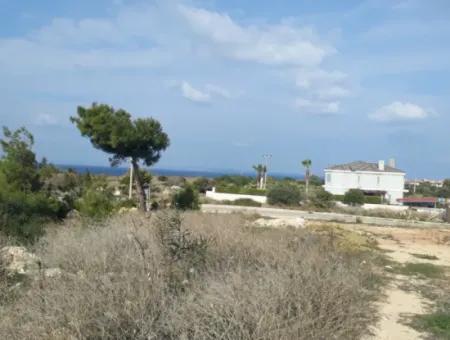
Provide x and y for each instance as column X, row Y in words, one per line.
column 397, row 208
column 322, row 216
column 221, row 196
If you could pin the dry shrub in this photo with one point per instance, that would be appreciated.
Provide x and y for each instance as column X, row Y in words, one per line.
column 245, row 283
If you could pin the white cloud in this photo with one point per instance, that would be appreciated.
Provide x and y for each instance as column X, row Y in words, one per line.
column 399, row 111
column 280, row 44
column 194, row 94
column 321, row 90
column 317, row 107
column 144, row 36
column 199, row 95
column 45, row 119
column 217, row 90
column 333, row 92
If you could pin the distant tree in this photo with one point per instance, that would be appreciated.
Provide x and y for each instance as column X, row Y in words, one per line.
column 260, row 175
column 354, row 197
column 114, row 132
column 322, row 198
column 18, row 163
column 307, row 165
column 445, row 190
column 186, row 199
column 46, row 169
column 315, row 180
column 202, row 184
column 146, row 178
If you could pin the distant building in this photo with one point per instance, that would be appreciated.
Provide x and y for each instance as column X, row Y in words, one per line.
column 376, row 179
column 432, row 182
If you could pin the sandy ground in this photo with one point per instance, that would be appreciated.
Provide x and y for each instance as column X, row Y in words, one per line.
column 400, row 244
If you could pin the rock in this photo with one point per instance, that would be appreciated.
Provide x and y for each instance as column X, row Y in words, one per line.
column 296, row 222
column 125, row 210
column 17, row 260
column 52, row 272
column 73, row 214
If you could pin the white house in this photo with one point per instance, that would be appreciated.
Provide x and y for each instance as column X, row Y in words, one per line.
column 372, row 178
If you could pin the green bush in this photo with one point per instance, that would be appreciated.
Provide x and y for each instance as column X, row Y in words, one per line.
column 367, row 199
column 284, row 194
column 322, row 198
column 236, row 180
column 202, row 184
column 186, row 199
column 354, row 197
column 372, row 199
column 23, row 215
column 96, row 203
column 128, row 203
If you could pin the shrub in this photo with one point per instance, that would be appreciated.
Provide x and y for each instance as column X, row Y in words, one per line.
column 186, row 198
column 23, row 215
column 322, row 199
column 354, row 197
column 372, row 199
column 96, row 203
column 256, row 284
column 128, row 203
column 284, row 194
column 235, row 180
column 202, row 184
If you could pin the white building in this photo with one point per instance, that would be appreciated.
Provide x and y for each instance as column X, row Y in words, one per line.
column 372, row 178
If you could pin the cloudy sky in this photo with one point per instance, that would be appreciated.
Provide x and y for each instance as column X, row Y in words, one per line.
column 333, row 81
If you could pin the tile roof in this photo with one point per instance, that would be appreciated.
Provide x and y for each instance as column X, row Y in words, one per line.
column 363, row 166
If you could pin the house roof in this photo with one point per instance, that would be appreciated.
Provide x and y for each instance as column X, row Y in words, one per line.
column 363, row 166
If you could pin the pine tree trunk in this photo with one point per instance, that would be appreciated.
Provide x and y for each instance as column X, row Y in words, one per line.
column 139, row 186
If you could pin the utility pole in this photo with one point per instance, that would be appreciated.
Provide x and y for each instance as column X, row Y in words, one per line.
column 267, row 158
column 130, row 190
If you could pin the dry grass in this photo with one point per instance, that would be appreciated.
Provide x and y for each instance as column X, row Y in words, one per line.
column 140, row 278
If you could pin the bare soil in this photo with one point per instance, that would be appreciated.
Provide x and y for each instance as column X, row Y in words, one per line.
column 402, row 245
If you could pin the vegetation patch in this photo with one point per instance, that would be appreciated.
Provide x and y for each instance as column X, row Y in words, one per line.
column 437, row 323
column 426, row 270
column 346, row 239
column 192, row 276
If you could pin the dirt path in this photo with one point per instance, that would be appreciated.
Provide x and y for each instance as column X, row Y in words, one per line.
column 400, row 245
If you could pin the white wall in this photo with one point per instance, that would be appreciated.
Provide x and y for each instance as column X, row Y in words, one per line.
column 220, row 196
column 338, row 182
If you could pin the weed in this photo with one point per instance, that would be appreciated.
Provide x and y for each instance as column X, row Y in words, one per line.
column 427, row 270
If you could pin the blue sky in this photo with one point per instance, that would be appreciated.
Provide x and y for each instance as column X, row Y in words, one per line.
column 333, row 81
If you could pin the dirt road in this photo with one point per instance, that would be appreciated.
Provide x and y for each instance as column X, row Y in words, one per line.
column 403, row 246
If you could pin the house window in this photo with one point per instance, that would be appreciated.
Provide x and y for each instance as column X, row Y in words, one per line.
column 328, row 178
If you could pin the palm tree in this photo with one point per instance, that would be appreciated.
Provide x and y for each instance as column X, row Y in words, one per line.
column 264, row 177
column 307, row 165
column 259, row 168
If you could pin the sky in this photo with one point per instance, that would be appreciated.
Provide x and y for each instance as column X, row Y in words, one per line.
column 230, row 81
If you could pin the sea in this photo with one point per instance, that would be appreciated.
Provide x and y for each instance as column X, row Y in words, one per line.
column 119, row 171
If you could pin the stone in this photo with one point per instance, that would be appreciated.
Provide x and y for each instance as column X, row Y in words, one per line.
column 296, row 222
column 52, row 272
column 18, row 261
